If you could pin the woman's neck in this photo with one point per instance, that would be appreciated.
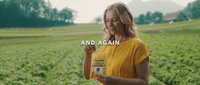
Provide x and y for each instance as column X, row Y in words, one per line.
column 120, row 38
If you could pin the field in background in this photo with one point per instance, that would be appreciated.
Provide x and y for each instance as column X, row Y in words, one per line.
column 55, row 56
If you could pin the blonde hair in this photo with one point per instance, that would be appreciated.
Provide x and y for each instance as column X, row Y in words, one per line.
column 125, row 17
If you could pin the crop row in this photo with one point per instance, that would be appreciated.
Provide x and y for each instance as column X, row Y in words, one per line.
column 32, row 67
column 174, row 59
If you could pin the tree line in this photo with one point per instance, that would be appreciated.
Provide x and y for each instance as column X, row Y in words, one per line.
column 33, row 13
column 156, row 17
column 192, row 11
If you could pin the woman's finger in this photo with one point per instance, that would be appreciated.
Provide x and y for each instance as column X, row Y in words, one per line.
column 87, row 48
column 93, row 47
column 102, row 80
column 101, row 76
column 90, row 47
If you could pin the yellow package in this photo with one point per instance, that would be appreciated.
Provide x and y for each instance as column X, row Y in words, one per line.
column 98, row 65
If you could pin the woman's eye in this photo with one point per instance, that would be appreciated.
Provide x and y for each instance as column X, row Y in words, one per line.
column 115, row 20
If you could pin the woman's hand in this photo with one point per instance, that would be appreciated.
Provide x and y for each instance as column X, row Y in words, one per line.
column 87, row 64
column 89, row 49
column 107, row 80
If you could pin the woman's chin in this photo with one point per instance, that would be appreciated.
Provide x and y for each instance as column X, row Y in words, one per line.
column 112, row 33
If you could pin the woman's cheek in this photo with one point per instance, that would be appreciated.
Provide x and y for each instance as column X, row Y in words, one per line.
column 117, row 24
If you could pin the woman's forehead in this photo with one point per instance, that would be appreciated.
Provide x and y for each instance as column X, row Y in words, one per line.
column 111, row 14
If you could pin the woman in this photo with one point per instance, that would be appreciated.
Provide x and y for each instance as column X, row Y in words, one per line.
column 128, row 62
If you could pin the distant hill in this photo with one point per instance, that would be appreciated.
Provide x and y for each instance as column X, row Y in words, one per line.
column 93, row 20
column 138, row 7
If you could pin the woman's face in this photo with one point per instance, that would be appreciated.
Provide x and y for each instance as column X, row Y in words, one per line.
column 113, row 23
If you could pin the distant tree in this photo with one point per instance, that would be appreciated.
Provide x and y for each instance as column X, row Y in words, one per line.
column 136, row 20
column 2, row 18
column 196, row 9
column 97, row 20
column 188, row 8
column 157, row 17
column 32, row 13
column 36, row 6
column 1, row 9
column 193, row 9
column 74, row 13
column 149, row 17
column 66, row 14
column 55, row 14
column 181, row 17
column 142, row 19
column 48, row 11
column 12, row 13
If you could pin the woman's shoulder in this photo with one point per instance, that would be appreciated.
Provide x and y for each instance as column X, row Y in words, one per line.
column 139, row 44
column 136, row 42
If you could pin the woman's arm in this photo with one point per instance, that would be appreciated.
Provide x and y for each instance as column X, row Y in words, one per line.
column 87, row 63
column 142, row 70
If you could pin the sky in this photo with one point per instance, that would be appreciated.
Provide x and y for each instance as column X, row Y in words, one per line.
column 90, row 9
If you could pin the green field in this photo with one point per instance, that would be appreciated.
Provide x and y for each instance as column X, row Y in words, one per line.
column 54, row 56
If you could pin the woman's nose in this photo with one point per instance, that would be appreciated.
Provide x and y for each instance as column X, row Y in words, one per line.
column 110, row 24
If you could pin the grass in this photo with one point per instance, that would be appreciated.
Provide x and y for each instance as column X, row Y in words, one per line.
column 58, row 48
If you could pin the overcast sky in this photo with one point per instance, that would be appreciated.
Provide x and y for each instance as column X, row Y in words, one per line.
column 89, row 9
